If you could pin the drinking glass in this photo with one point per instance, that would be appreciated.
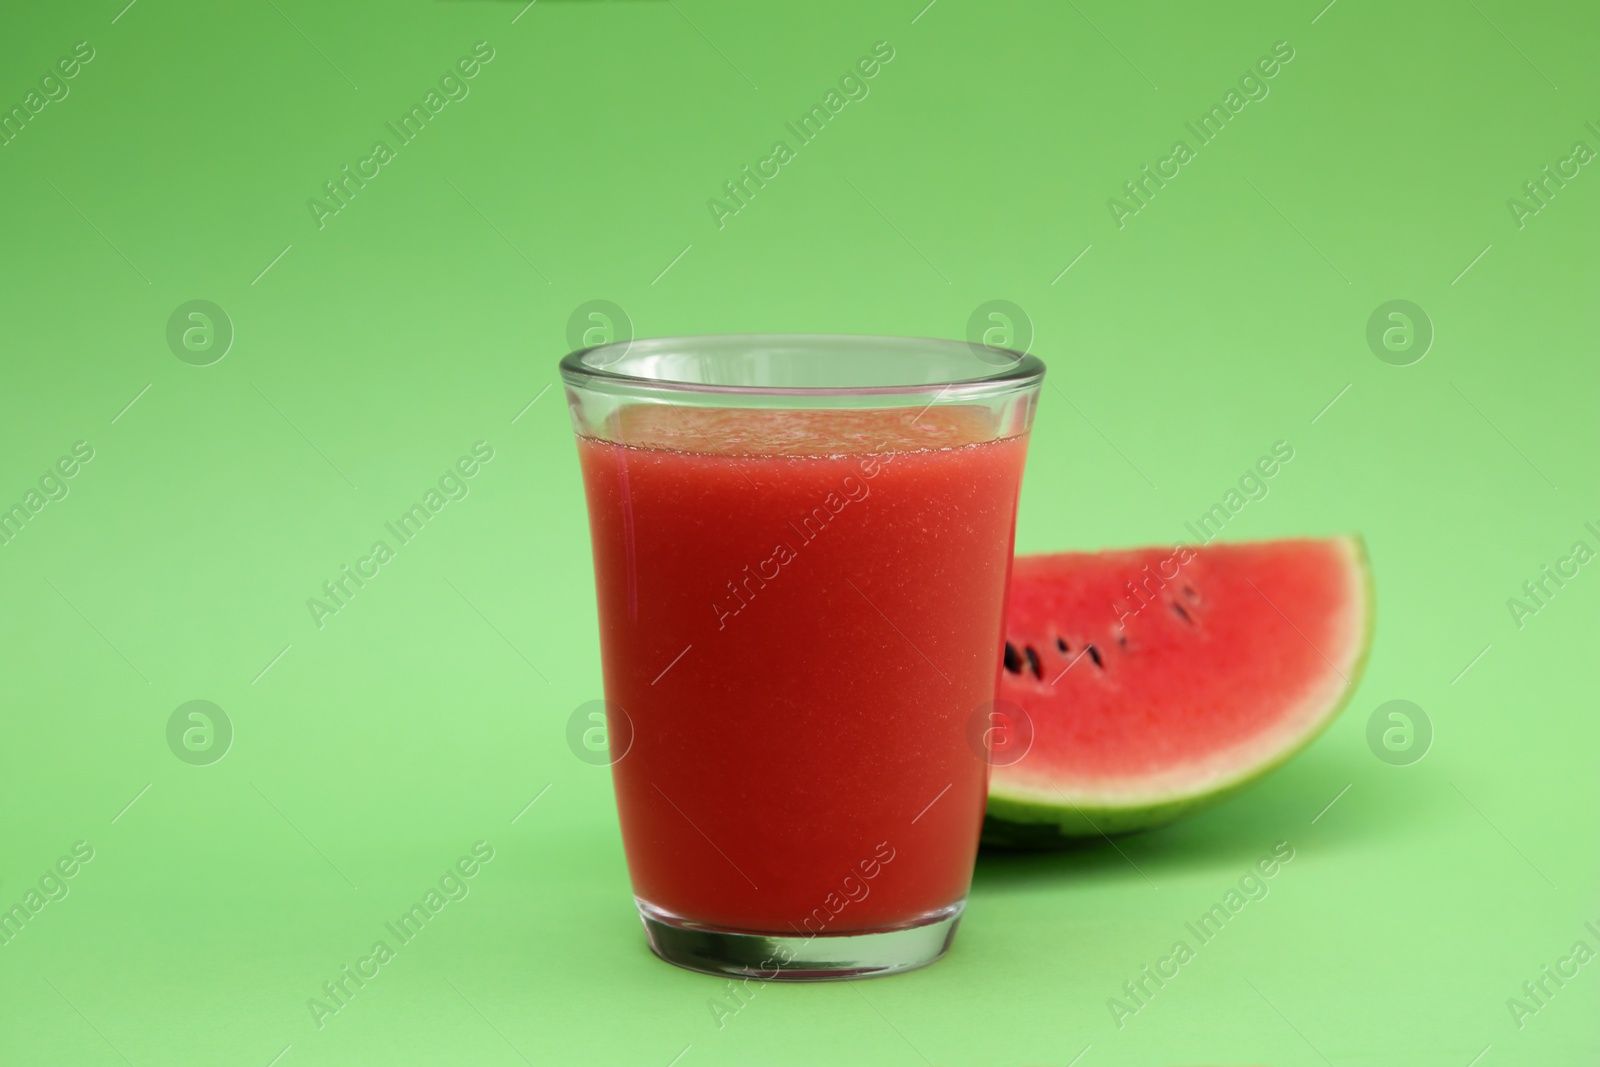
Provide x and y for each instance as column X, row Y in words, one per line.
column 801, row 550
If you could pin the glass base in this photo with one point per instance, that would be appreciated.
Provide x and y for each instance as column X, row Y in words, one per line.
column 798, row 958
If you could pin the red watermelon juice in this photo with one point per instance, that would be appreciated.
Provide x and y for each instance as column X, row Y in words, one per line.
column 800, row 613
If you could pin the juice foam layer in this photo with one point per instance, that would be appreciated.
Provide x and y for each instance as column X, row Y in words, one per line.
column 784, row 432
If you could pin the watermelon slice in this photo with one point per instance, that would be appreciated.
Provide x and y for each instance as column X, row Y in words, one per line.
column 1157, row 680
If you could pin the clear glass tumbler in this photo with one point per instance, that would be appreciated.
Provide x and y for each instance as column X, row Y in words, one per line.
column 801, row 549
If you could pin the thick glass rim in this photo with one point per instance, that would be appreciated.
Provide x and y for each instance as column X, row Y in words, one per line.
column 995, row 370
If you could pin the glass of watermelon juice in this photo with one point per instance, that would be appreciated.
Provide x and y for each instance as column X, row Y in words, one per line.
column 801, row 550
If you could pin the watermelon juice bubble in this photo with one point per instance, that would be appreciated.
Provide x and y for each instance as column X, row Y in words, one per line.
column 801, row 550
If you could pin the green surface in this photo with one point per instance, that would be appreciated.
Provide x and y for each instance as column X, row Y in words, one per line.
column 370, row 753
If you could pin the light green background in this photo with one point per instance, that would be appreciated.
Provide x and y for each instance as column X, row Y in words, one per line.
column 427, row 315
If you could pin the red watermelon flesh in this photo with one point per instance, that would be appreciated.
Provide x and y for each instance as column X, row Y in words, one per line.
column 1158, row 679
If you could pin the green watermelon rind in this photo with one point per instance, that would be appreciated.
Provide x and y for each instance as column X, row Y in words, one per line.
column 1026, row 822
